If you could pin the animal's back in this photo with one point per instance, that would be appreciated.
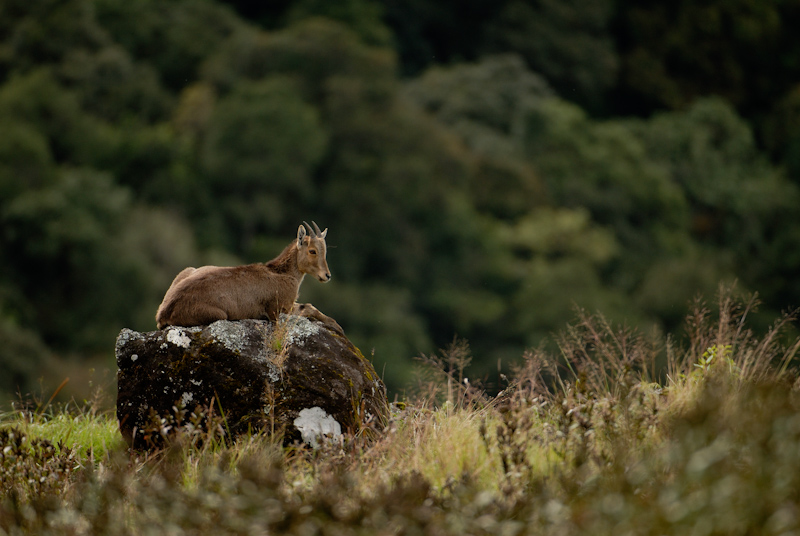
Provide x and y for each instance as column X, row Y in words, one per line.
column 174, row 306
column 203, row 295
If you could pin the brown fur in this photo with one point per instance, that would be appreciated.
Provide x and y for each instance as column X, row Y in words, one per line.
column 200, row 296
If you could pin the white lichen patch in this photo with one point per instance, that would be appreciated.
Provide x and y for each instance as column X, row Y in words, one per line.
column 231, row 335
column 298, row 328
column 274, row 373
column 314, row 424
column 177, row 337
column 186, row 398
column 125, row 336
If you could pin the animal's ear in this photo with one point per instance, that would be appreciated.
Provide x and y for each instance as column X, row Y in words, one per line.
column 301, row 233
column 323, row 233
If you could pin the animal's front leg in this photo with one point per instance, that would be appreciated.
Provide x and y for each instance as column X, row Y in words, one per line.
column 309, row 311
column 270, row 315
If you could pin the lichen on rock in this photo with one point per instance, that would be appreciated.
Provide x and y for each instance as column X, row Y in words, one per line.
column 177, row 337
column 298, row 329
column 125, row 336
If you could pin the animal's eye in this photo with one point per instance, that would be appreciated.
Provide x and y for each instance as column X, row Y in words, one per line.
column 312, row 251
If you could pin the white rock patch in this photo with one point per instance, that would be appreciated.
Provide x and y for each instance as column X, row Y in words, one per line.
column 314, row 423
column 177, row 337
column 299, row 328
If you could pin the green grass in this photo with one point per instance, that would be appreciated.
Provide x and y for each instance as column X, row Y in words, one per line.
column 592, row 440
column 94, row 435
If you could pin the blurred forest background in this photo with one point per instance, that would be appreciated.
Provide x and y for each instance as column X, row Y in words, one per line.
column 483, row 165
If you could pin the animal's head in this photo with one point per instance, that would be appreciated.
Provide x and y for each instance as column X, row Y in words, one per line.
column 311, row 252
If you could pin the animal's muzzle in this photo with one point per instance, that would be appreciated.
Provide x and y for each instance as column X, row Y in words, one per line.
column 325, row 277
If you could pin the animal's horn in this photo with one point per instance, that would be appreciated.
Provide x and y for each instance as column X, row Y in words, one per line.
column 310, row 230
column 316, row 228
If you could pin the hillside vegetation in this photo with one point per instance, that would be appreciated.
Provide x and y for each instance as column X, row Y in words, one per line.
column 596, row 447
column 482, row 169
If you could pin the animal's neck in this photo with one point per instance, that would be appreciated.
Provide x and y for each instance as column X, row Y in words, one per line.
column 286, row 262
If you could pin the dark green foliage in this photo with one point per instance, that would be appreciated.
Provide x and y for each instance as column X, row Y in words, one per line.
column 39, row 101
column 25, row 159
column 313, row 50
column 57, row 240
column 781, row 133
column 110, row 85
column 568, row 42
column 23, row 356
column 442, row 32
column 604, row 167
column 741, row 50
column 740, row 205
column 174, row 37
column 46, row 33
column 363, row 17
column 261, row 149
column 632, row 56
column 483, row 199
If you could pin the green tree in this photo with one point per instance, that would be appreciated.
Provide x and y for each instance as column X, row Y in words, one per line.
column 568, row 41
column 363, row 17
column 58, row 241
column 33, row 34
column 173, row 38
column 603, row 167
column 23, row 358
column 84, row 260
column 484, row 105
column 672, row 53
column 110, row 85
column 711, row 153
column 781, row 133
column 525, row 264
column 558, row 257
column 313, row 51
column 38, row 100
column 508, row 115
column 25, row 159
column 741, row 206
column 261, row 149
column 481, row 101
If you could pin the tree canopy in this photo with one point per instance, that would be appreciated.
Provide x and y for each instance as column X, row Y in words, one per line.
column 484, row 167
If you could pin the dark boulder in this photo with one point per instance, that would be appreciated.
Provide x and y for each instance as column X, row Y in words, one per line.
column 301, row 376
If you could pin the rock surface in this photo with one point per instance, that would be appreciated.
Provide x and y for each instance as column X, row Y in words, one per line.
column 301, row 375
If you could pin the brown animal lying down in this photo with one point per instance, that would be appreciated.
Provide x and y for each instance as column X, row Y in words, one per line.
column 200, row 296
